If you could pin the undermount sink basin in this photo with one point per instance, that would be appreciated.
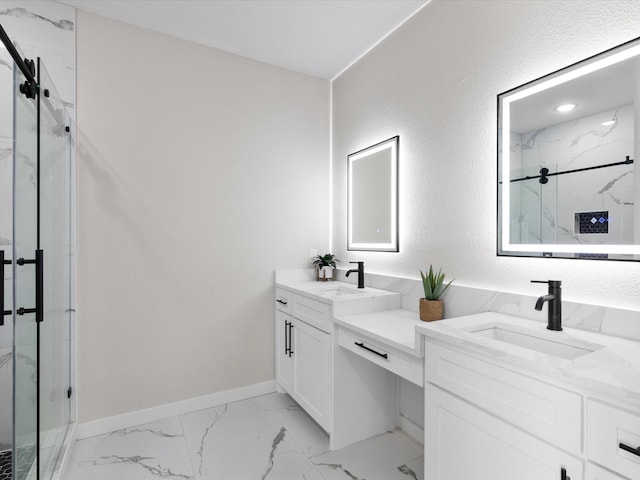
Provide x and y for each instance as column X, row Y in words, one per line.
column 557, row 344
column 338, row 290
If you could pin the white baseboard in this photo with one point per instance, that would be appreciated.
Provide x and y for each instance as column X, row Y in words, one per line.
column 414, row 431
column 118, row 422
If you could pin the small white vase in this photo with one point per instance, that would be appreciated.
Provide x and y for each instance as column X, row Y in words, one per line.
column 325, row 273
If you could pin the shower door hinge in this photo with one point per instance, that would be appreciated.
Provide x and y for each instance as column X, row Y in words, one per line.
column 69, row 391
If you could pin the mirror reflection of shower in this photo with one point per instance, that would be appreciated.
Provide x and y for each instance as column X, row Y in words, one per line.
column 566, row 160
column 573, row 182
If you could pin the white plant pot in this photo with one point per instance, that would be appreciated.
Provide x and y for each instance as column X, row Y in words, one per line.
column 325, row 273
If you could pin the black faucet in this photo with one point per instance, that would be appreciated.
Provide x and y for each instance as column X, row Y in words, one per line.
column 555, row 304
column 360, row 272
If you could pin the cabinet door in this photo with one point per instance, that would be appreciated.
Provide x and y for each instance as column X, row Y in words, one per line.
column 463, row 442
column 312, row 371
column 284, row 361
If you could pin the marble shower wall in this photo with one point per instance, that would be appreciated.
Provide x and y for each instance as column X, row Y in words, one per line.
column 44, row 29
column 546, row 213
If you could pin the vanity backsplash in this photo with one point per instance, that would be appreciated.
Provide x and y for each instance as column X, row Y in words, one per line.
column 460, row 300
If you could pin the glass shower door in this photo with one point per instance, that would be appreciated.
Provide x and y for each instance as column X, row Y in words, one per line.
column 55, row 239
column 25, row 233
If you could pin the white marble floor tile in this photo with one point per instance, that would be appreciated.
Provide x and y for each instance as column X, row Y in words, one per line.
column 309, row 436
column 412, row 470
column 242, row 441
column 151, row 451
column 264, row 438
column 388, row 456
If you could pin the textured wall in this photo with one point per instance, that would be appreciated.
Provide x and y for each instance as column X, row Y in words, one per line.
column 199, row 173
column 434, row 82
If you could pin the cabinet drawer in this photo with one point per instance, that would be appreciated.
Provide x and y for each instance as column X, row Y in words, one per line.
column 407, row 366
column 596, row 473
column 316, row 314
column 541, row 409
column 607, row 428
column 283, row 300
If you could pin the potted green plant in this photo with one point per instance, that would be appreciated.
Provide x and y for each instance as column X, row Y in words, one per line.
column 325, row 264
column 431, row 307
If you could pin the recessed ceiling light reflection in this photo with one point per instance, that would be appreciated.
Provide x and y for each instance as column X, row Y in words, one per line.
column 607, row 123
column 567, row 107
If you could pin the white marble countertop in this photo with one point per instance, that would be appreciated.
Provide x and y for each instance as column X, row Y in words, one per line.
column 344, row 298
column 332, row 291
column 394, row 328
column 612, row 371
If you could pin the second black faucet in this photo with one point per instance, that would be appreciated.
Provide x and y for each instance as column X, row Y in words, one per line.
column 359, row 271
column 554, row 297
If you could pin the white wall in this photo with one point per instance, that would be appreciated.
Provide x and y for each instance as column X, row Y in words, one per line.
column 434, row 82
column 199, row 173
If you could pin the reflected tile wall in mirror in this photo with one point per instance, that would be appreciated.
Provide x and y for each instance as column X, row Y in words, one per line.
column 545, row 213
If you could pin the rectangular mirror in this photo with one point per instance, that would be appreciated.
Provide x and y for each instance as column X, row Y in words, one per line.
column 566, row 150
column 372, row 197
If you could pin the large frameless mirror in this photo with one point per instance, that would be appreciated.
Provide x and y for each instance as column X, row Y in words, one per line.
column 566, row 150
column 373, row 198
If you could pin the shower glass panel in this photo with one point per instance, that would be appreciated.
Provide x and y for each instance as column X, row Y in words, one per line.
column 55, row 241
column 533, row 206
column 25, row 233
column 55, row 214
column 6, row 241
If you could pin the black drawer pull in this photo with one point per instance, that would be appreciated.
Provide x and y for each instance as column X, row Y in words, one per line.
column 627, row 448
column 279, row 300
column 362, row 345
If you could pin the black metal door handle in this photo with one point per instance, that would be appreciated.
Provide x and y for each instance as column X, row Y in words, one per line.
column 563, row 474
column 3, row 312
column 39, row 285
column 286, row 337
column 290, row 342
column 362, row 345
column 627, row 448
column 39, row 263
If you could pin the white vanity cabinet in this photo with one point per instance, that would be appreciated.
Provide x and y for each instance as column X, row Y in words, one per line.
column 303, row 353
column 464, row 442
column 483, row 421
column 486, row 418
column 318, row 362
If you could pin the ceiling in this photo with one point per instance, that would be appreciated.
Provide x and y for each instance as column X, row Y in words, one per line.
column 316, row 37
